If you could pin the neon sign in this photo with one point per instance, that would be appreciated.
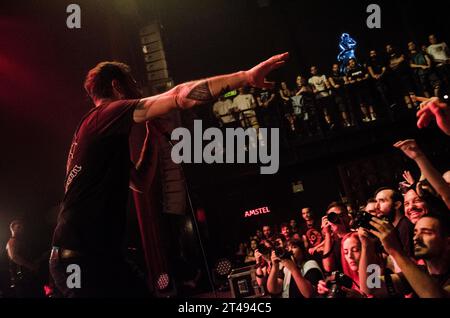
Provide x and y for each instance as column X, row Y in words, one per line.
column 347, row 47
column 255, row 212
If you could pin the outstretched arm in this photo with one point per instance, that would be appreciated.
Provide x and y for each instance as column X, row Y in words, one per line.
column 412, row 150
column 199, row 92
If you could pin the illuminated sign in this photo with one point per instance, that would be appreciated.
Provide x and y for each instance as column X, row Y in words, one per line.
column 230, row 94
column 255, row 212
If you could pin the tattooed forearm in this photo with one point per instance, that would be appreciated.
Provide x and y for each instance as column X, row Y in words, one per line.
column 201, row 92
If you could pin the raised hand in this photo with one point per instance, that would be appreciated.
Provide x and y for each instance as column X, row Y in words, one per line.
column 257, row 75
column 408, row 177
column 410, row 148
column 387, row 234
column 433, row 108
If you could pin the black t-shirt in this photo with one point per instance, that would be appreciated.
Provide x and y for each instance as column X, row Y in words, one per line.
column 376, row 65
column 337, row 256
column 356, row 73
column 93, row 212
column 405, row 231
column 338, row 78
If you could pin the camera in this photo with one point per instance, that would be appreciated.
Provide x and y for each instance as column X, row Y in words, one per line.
column 280, row 251
column 335, row 282
column 333, row 217
column 264, row 249
column 362, row 219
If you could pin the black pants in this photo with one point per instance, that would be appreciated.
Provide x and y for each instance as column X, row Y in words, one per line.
column 100, row 277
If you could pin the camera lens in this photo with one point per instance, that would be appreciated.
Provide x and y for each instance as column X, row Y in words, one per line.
column 333, row 217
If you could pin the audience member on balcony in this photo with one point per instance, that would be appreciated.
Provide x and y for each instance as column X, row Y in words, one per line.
column 337, row 84
column 287, row 111
column 401, row 75
column 223, row 111
column 424, row 76
column 266, row 107
column 304, row 108
column 245, row 103
column 378, row 69
column 357, row 78
column 321, row 89
column 440, row 54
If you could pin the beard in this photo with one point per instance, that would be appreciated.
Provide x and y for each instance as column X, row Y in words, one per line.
column 420, row 250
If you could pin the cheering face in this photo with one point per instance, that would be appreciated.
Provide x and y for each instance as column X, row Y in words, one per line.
column 352, row 252
column 415, row 207
column 428, row 241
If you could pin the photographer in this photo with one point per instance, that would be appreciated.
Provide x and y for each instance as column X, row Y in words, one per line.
column 351, row 255
column 262, row 268
column 389, row 204
column 335, row 225
column 431, row 243
column 292, row 275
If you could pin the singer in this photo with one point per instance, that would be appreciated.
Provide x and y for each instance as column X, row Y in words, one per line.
column 91, row 220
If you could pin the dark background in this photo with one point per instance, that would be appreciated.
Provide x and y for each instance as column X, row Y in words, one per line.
column 43, row 64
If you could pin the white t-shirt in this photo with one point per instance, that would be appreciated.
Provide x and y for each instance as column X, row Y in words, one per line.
column 319, row 83
column 223, row 109
column 244, row 102
column 439, row 52
column 287, row 275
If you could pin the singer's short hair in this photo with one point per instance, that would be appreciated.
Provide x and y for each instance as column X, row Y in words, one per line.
column 98, row 80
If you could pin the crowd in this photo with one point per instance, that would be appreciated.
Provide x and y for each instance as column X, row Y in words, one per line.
column 396, row 245
column 353, row 95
